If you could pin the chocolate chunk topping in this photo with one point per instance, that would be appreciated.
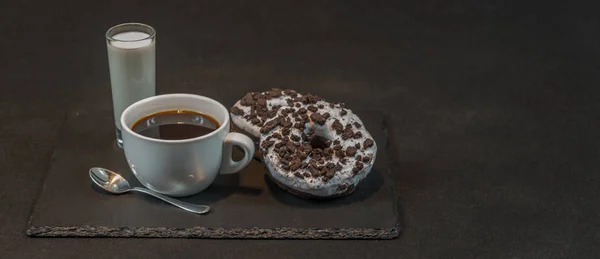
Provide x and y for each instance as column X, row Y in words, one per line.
column 318, row 118
column 290, row 102
column 351, row 151
column 343, row 161
column 337, row 147
column 366, row 159
column 348, row 133
column 358, row 165
column 299, row 175
column 261, row 102
column 276, row 107
column 304, row 117
column 255, row 121
column 337, row 141
column 338, row 127
column 357, row 135
column 328, row 152
column 302, row 155
column 359, row 157
column 271, row 113
column 287, row 123
column 368, row 143
column 279, row 144
column 290, row 147
column 295, row 137
column 307, row 148
column 355, row 170
column 343, row 112
column 295, row 165
column 237, row 111
column 312, row 108
column 329, row 174
column 267, row 144
column 321, row 106
column 313, row 171
column 312, row 98
column 330, row 165
column 285, row 131
column 290, row 92
column 287, row 111
column 331, row 105
column 276, row 135
column 275, row 93
column 299, row 126
column 298, row 105
column 338, row 167
column 340, row 153
column 357, row 125
column 317, row 151
column 247, row 100
column 300, row 99
column 302, row 110
column 357, row 145
column 316, row 156
column 270, row 125
column 306, row 174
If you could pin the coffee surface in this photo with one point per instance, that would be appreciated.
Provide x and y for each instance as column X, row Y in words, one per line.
column 175, row 125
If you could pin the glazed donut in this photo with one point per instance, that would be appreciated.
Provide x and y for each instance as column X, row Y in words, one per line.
column 312, row 148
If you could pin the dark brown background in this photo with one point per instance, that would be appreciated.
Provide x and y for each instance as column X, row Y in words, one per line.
column 493, row 109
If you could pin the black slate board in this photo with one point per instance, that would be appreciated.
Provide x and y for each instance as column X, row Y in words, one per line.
column 244, row 205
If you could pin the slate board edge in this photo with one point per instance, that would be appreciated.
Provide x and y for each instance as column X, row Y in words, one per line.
column 214, row 233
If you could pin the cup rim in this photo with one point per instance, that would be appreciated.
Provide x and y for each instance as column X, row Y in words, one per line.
column 151, row 33
column 171, row 95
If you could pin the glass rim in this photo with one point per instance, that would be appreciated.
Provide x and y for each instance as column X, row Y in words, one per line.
column 151, row 32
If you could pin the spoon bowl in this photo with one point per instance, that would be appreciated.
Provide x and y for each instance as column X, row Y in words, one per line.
column 109, row 180
column 113, row 182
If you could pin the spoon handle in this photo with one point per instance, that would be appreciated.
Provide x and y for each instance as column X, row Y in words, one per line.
column 193, row 208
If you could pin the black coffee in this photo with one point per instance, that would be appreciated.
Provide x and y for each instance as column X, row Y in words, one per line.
column 175, row 124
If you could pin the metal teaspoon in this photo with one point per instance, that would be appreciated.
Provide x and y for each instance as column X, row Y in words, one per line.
column 114, row 183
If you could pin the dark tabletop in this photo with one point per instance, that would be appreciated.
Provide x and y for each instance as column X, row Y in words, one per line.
column 492, row 108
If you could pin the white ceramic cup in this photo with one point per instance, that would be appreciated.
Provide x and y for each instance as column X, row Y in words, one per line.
column 188, row 166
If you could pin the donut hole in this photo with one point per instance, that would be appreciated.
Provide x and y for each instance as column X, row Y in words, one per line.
column 319, row 142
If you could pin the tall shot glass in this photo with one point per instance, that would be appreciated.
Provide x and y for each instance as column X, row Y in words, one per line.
column 132, row 63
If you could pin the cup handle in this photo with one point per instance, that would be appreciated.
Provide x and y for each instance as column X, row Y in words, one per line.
column 228, row 166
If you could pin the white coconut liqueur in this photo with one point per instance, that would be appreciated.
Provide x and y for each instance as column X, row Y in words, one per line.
column 131, row 58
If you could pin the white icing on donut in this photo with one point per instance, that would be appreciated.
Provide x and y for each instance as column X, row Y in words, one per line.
column 343, row 178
